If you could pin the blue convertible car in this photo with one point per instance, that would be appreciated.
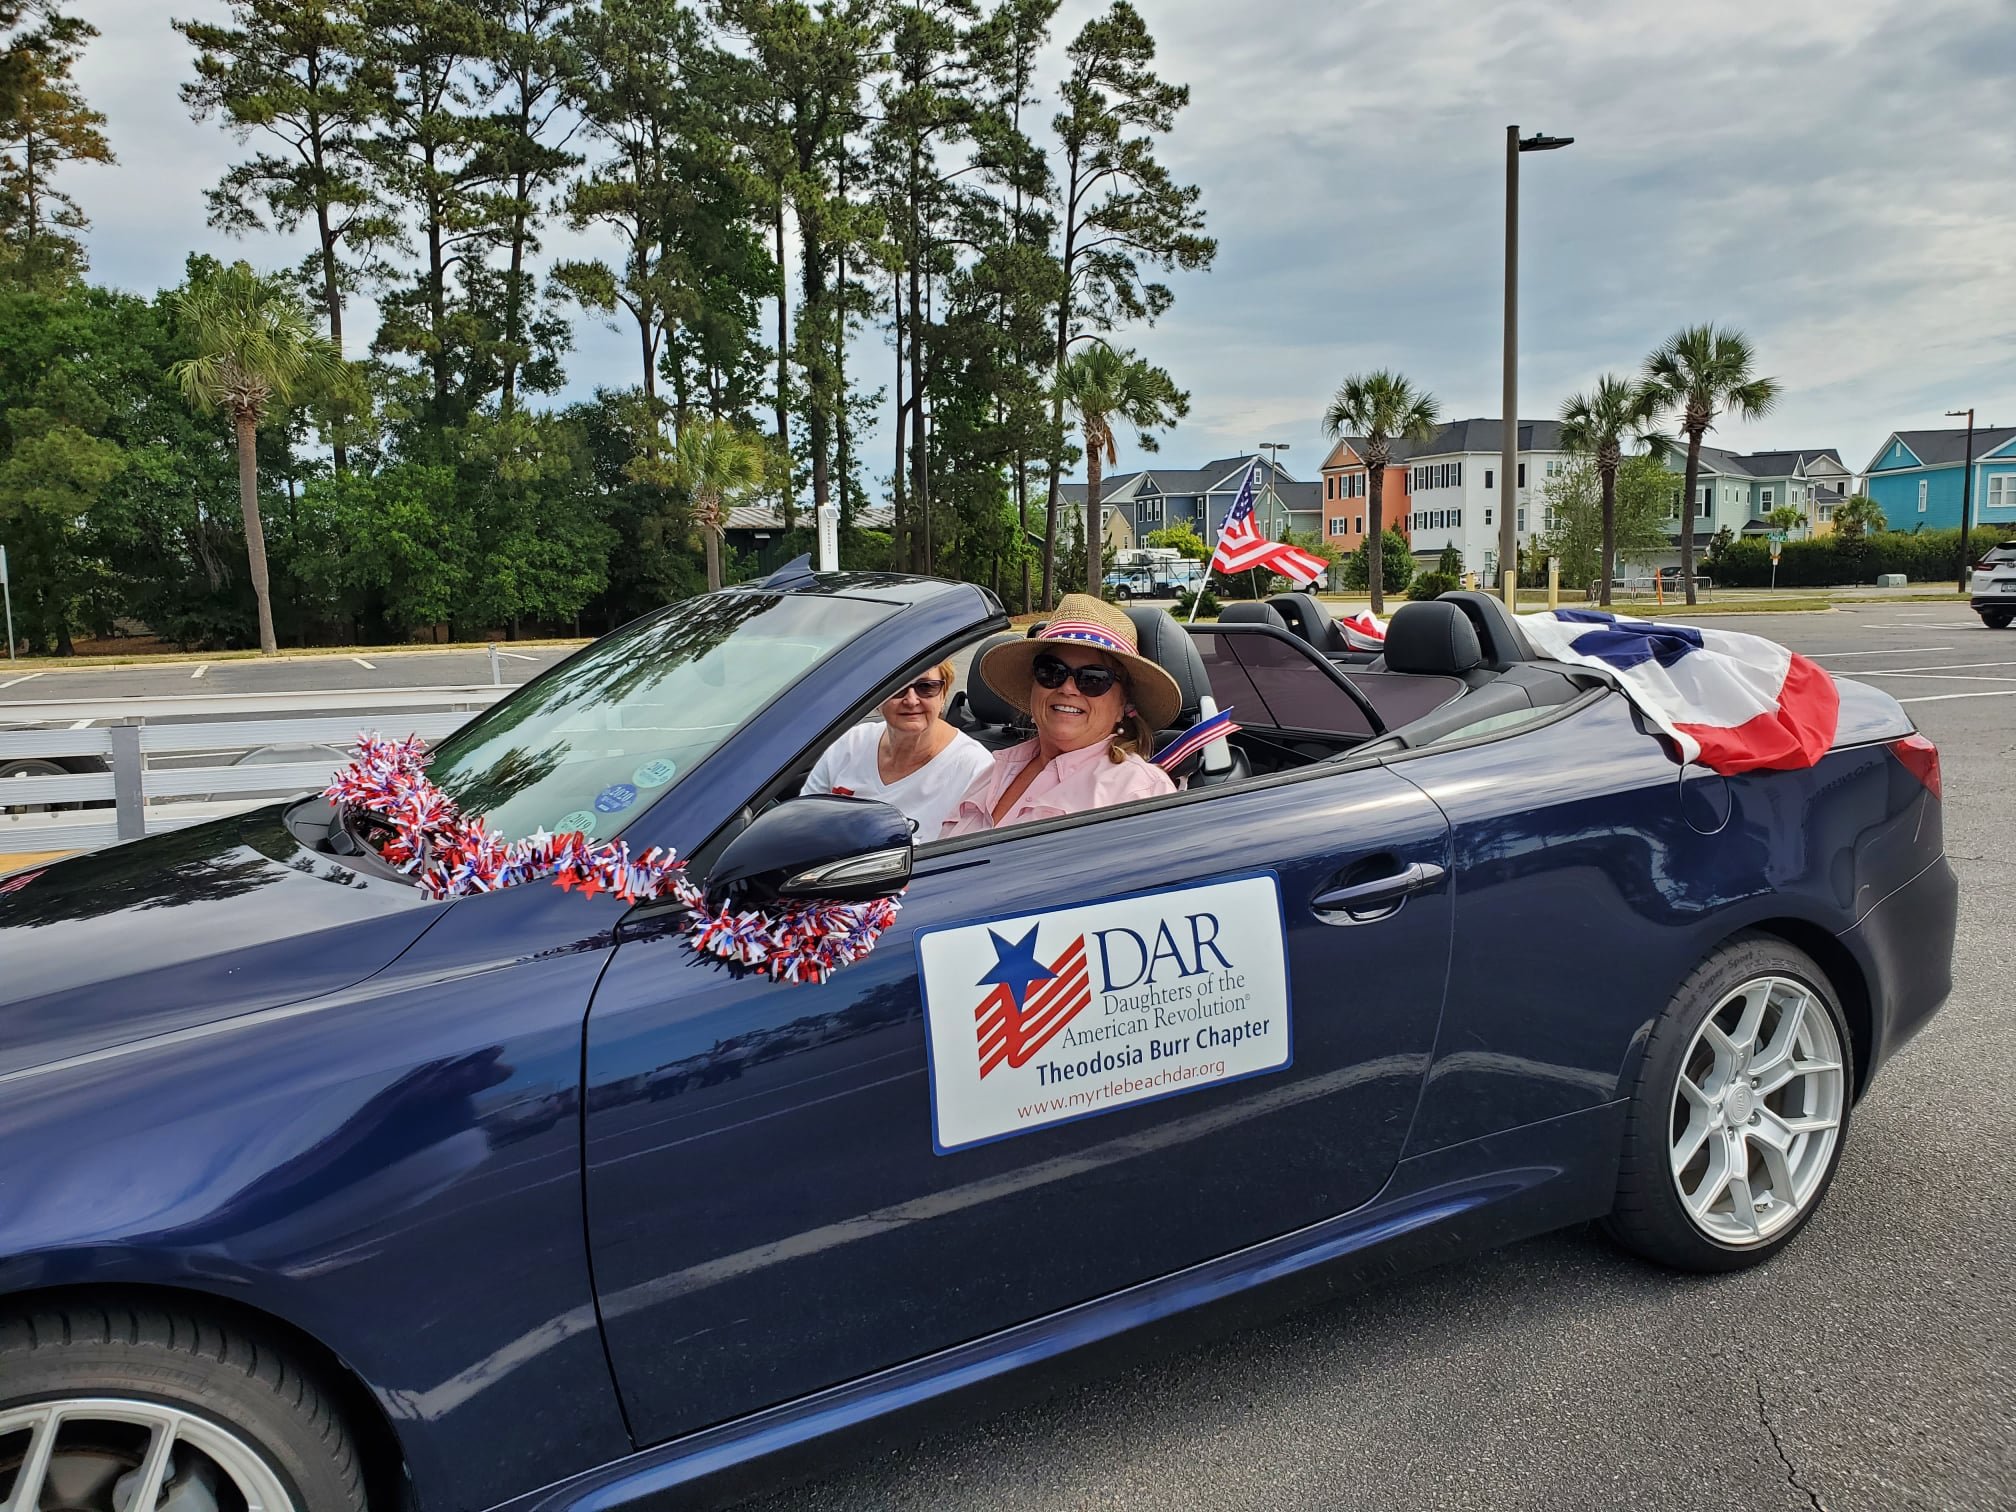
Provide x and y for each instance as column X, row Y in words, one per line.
column 319, row 1195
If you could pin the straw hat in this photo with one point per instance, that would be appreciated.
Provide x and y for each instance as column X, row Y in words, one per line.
column 1083, row 620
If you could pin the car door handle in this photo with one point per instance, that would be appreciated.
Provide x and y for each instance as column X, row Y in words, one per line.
column 1411, row 878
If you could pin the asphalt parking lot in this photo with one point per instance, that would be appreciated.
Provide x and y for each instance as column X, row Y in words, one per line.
column 197, row 678
column 1871, row 1366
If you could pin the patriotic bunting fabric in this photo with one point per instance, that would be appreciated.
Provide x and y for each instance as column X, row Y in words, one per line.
column 1363, row 631
column 452, row 855
column 1241, row 547
column 1733, row 702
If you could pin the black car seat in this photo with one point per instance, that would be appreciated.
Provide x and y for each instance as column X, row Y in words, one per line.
column 984, row 714
column 1166, row 643
column 1499, row 637
column 1436, row 638
column 1252, row 612
column 1306, row 616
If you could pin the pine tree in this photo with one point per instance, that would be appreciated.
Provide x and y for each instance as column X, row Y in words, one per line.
column 44, row 124
column 1121, row 212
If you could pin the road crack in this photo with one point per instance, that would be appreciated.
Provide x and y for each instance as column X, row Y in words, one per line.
column 1791, row 1470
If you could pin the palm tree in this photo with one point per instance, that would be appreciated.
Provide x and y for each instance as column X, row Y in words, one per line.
column 1701, row 372
column 256, row 345
column 1598, row 423
column 715, row 463
column 1382, row 407
column 1103, row 387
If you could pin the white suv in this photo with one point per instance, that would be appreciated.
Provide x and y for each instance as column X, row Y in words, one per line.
column 1993, row 589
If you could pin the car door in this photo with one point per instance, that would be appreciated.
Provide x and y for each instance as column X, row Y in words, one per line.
column 793, row 1186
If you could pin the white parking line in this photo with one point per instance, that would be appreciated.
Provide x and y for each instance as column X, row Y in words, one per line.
column 367, row 666
column 1941, row 697
column 521, row 656
column 1892, row 651
column 83, row 724
column 13, row 680
column 1933, row 676
column 201, row 670
column 1937, row 667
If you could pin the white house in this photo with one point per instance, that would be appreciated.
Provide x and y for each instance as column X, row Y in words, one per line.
column 1453, row 492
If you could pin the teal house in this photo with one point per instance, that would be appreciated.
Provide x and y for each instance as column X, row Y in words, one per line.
column 1917, row 476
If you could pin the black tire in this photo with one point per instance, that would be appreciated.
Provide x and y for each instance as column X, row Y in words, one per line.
column 232, row 1376
column 1123, row 594
column 1998, row 619
column 1648, row 1217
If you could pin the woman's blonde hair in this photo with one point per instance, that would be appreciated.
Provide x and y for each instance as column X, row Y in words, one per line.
column 1132, row 737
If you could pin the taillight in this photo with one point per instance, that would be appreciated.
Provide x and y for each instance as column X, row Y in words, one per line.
column 1921, row 760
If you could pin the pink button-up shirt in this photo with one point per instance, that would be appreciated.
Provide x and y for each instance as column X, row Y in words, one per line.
column 1074, row 782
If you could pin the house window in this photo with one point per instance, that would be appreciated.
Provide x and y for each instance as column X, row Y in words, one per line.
column 1705, row 510
column 1358, row 525
column 1329, row 488
column 2002, row 491
column 1924, row 488
column 1554, row 470
column 1487, row 514
column 1765, row 498
column 1490, row 478
column 1520, row 523
column 1148, row 511
column 1338, row 526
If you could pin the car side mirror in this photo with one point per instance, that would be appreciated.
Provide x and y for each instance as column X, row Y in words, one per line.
column 822, row 848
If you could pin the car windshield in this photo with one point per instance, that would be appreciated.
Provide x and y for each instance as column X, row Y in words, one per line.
column 592, row 743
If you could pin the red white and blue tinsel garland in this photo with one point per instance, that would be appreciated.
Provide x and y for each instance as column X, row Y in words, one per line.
column 453, row 855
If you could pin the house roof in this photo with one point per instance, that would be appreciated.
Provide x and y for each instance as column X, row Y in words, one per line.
column 1110, row 484
column 1467, row 436
column 764, row 517
column 1771, row 464
column 1948, row 448
column 1398, row 449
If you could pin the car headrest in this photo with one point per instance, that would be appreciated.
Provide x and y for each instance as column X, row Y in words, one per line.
column 1249, row 613
column 1434, row 636
column 1170, row 647
column 986, row 706
column 1498, row 633
column 1306, row 616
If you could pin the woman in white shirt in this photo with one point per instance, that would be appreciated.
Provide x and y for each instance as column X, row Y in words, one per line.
column 912, row 760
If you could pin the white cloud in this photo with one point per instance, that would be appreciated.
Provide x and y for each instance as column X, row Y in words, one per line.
column 1829, row 175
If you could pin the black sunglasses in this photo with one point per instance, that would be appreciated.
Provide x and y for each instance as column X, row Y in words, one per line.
column 924, row 687
column 1093, row 681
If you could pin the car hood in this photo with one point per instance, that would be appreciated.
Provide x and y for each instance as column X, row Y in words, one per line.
column 186, row 928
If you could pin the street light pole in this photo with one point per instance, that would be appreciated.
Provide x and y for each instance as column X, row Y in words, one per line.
column 1508, row 459
column 1966, row 495
column 1274, row 448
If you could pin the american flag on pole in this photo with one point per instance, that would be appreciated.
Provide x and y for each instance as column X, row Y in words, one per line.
column 1241, row 546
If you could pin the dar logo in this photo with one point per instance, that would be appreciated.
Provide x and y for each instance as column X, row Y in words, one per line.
column 1030, row 1001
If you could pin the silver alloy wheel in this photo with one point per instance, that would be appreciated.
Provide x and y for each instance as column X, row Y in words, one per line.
column 113, row 1454
column 1757, row 1111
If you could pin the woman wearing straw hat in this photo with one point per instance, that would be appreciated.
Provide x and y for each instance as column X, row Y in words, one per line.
column 1097, row 703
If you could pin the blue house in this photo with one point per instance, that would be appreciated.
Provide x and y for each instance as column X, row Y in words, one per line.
column 1916, row 477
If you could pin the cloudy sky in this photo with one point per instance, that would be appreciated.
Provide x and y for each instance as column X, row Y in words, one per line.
column 1835, row 177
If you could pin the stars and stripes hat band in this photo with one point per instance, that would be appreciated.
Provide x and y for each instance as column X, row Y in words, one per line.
column 1086, row 621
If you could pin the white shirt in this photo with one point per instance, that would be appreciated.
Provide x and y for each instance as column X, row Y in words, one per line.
column 929, row 796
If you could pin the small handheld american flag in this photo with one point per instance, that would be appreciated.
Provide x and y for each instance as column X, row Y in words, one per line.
column 1241, row 547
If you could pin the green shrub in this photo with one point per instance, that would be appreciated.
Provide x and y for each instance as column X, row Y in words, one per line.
column 1209, row 609
column 1924, row 556
column 1433, row 585
column 1396, row 563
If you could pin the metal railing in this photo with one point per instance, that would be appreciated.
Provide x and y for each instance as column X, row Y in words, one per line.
column 153, row 773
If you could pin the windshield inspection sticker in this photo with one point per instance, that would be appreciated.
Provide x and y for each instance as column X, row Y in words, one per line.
column 655, row 773
column 582, row 820
column 615, row 798
column 1047, row 1017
